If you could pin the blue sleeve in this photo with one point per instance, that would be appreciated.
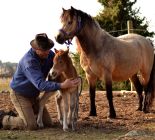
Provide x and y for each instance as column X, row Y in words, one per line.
column 34, row 74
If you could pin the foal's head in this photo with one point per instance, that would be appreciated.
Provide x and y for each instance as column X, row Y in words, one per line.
column 61, row 63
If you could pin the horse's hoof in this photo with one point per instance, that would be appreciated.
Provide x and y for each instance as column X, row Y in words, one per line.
column 92, row 114
column 112, row 116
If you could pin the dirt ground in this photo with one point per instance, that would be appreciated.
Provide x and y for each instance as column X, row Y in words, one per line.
column 129, row 122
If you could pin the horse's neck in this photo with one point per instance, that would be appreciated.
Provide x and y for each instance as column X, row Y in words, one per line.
column 92, row 39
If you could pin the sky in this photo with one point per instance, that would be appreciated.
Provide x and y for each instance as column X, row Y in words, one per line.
column 21, row 20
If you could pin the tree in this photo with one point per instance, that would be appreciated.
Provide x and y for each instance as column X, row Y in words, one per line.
column 115, row 14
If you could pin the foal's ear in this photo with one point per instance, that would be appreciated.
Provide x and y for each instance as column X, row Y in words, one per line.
column 56, row 51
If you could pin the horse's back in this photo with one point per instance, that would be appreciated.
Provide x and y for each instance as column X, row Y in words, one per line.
column 144, row 47
column 143, row 44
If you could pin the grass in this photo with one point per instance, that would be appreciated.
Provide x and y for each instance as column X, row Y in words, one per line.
column 59, row 134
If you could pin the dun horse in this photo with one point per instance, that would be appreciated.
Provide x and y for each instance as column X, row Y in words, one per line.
column 109, row 58
column 63, row 69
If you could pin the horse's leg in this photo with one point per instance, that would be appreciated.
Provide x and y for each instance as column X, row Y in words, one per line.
column 150, row 91
column 92, row 88
column 108, row 86
column 139, row 90
column 147, row 98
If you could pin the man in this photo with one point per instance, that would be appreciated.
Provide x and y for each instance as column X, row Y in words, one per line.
column 27, row 83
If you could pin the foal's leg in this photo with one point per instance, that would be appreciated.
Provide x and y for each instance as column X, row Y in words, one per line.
column 139, row 90
column 69, row 116
column 73, row 109
column 76, row 111
column 65, row 112
column 92, row 88
column 42, row 101
column 59, row 109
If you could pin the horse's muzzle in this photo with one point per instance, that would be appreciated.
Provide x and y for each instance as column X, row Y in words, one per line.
column 60, row 39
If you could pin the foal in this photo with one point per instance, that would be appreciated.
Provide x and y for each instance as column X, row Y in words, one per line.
column 62, row 69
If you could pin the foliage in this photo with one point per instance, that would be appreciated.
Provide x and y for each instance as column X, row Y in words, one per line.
column 7, row 69
column 115, row 15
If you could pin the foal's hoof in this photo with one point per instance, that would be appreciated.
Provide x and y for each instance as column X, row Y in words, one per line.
column 41, row 126
column 139, row 109
column 66, row 129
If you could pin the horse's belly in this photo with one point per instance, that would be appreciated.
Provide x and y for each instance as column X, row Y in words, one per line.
column 122, row 76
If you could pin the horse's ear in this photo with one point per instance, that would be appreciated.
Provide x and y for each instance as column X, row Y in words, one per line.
column 56, row 51
column 63, row 9
column 72, row 8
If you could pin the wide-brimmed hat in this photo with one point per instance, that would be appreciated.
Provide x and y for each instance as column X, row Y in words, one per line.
column 42, row 42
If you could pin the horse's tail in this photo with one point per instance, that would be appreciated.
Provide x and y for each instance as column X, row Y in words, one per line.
column 150, row 95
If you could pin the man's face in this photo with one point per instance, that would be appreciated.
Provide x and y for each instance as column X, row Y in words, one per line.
column 42, row 54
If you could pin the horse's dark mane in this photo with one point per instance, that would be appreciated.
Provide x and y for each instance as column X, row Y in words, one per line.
column 86, row 17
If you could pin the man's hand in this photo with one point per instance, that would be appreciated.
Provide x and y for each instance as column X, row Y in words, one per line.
column 69, row 83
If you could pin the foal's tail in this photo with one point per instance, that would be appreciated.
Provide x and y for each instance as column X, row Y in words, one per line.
column 151, row 86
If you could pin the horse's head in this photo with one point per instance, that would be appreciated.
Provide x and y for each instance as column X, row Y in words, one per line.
column 71, row 25
column 60, row 62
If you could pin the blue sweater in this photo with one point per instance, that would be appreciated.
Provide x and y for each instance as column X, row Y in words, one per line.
column 30, row 76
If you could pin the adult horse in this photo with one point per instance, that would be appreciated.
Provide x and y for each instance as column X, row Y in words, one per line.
column 110, row 58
